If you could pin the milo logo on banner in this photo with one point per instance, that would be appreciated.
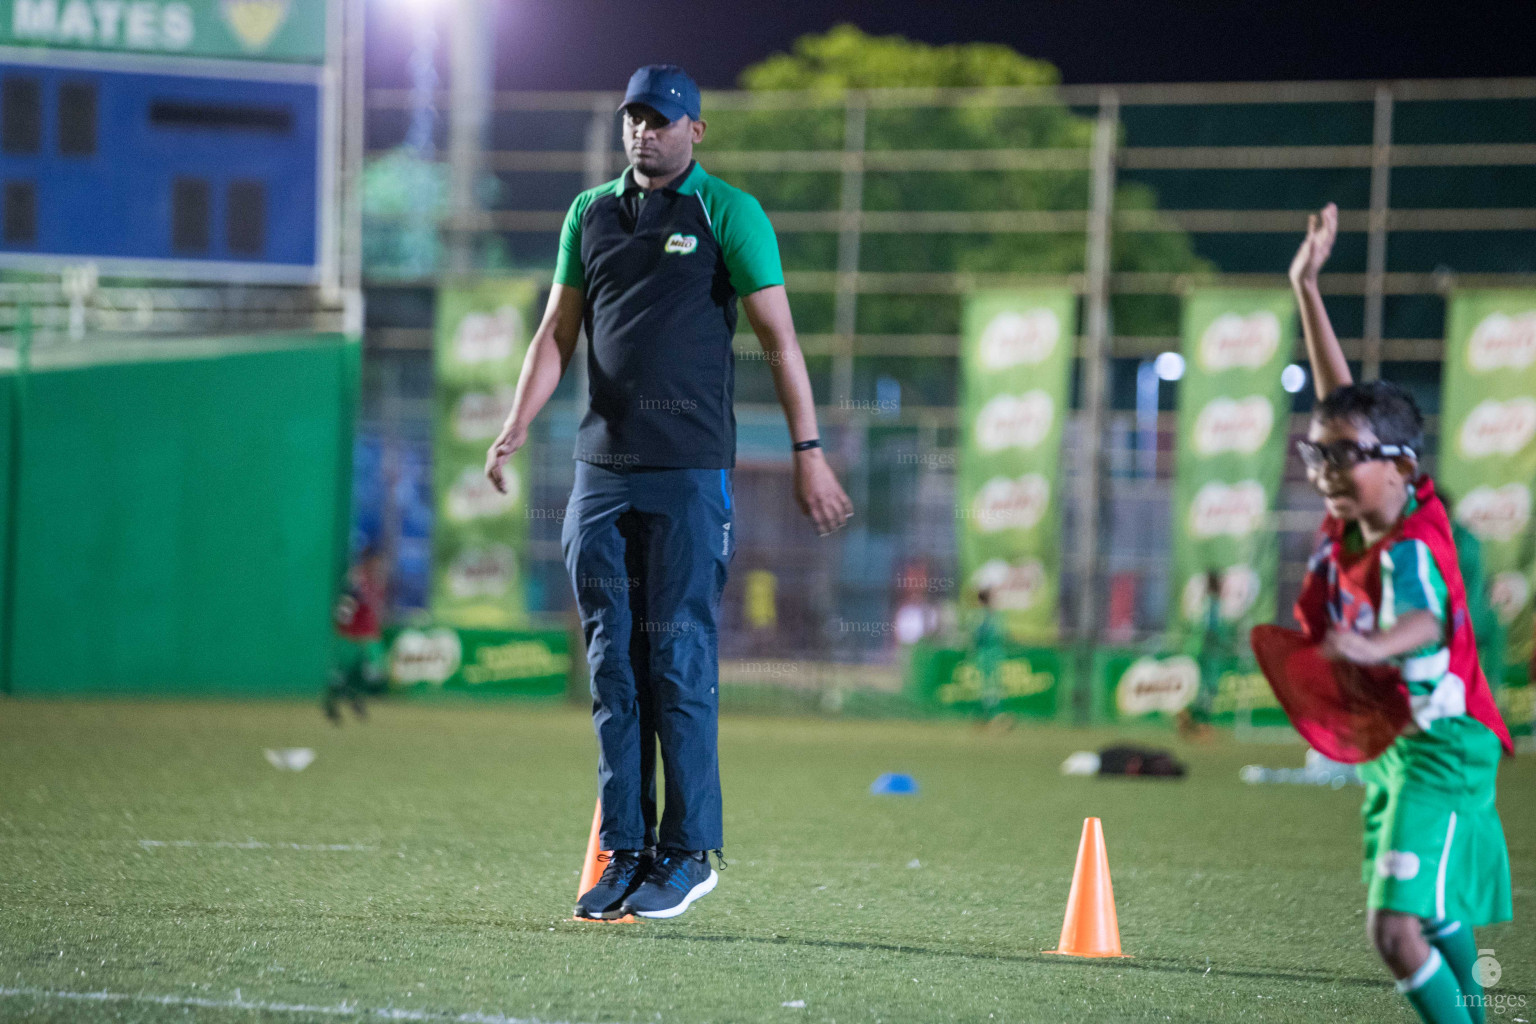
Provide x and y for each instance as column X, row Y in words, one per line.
column 1013, row 339
column 490, row 571
column 1237, row 342
column 1498, row 514
column 1240, row 586
column 488, row 337
column 1151, row 684
column 1488, row 448
column 1004, row 504
column 1016, row 355
column 424, row 656
column 1221, row 509
column 1015, row 421
column 1227, row 425
column 479, row 415
column 1509, row 593
column 1014, row 587
column 1498, row 428
column 473, row 497
column 1502, row 342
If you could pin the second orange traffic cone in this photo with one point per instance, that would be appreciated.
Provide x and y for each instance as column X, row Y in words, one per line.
column 592, row 867
column 1091, row 927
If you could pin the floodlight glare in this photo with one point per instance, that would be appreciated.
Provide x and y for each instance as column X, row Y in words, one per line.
column 1293, row 378
column 1169, row 366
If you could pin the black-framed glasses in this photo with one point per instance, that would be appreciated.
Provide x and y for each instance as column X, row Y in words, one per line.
column 1346, row 455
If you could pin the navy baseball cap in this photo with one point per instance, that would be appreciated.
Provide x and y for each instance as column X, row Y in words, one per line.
column 666, row 89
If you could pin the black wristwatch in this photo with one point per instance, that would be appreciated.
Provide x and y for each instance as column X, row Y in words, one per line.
column 805, row 446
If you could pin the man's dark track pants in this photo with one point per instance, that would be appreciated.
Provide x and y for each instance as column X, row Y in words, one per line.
column 647, row 551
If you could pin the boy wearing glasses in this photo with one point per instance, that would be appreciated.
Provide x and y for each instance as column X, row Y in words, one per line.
column 1384, row 589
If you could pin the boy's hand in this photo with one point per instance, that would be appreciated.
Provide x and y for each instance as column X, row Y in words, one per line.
column 1322, row 231
column 1343, row 645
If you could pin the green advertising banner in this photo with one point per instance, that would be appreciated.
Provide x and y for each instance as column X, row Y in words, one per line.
column 1488, row 456
column 1030, row 681
column 1130, row 686
column 1233, row 417
column 1016, row 360
column 479, row 535
column 287, row 31
column 440, row 658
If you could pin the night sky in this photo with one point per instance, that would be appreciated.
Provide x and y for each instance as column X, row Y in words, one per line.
column 594, row 44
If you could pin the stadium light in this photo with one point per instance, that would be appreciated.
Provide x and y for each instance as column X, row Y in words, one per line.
column 1293, row 378
column 1169, row 366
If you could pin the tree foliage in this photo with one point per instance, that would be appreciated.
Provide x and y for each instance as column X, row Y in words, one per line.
column 826, row 66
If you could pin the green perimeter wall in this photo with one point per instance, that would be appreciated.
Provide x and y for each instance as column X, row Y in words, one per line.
column 181, row 521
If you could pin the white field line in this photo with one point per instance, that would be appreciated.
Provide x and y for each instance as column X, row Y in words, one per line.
column 239, row 1003
column 251, row 844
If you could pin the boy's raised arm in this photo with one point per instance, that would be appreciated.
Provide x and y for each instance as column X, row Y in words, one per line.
column 1329, row 370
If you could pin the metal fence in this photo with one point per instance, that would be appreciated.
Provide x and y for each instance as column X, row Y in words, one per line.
column 891, row 204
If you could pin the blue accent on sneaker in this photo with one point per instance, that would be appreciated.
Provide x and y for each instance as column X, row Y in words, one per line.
column 625, row 871
column 676, row 879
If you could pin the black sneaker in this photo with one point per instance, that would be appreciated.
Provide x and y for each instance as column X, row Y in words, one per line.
column 676, row 879
column 623, row 875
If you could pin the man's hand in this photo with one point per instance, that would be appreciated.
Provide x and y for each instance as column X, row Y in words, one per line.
column 1343, row 645
column 503, row 448
column 818, row 493
column 1322, row 231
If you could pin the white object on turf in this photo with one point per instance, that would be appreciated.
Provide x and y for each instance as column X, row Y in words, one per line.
column 291, row 759
column 1084, row 762
column 699, row 890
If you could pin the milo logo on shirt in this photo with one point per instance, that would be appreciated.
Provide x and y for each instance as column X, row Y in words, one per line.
column 682, row 244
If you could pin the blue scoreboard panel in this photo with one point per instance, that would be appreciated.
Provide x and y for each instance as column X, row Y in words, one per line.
column 167, row 175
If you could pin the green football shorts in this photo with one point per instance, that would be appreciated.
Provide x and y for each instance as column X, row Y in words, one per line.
column 1434, row 845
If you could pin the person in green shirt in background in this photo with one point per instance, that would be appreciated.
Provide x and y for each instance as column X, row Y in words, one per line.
column 988, row 651
column 1485, row 620
column 1214, row 645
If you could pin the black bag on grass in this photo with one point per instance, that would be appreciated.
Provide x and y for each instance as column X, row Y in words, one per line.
column 1127, row 760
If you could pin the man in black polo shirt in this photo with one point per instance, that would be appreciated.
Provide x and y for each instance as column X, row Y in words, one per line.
column 653, row 264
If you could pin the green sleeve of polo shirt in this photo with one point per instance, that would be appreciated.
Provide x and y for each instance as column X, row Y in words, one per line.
column 1416, row 584
column 568, row 269
column 745, row 236
column 1411, row 582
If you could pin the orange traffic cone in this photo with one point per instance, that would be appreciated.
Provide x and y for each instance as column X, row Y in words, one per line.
column 592, row 868
column 1090, row 928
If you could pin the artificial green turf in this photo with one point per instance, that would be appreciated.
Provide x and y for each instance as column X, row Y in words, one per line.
column 1239, row 902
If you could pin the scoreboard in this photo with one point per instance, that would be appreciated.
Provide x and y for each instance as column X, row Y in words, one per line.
column 189, row 140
